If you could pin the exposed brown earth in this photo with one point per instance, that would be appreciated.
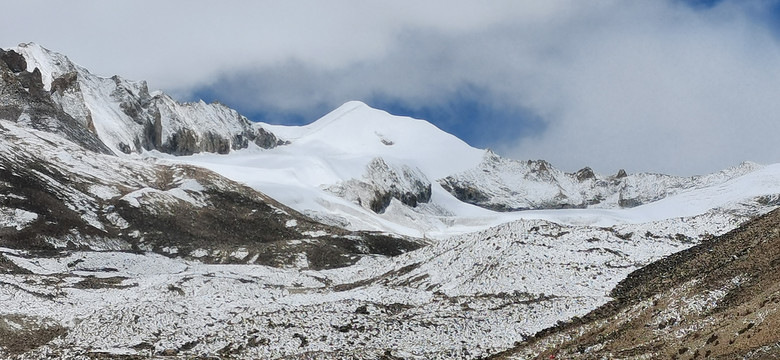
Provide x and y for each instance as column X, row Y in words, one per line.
column 20, row 333
column 719, row 299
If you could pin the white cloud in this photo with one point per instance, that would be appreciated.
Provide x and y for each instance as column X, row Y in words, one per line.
column 665, row 89
column 649, row 86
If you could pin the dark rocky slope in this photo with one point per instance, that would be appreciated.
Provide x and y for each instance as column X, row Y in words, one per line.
column 719, row 299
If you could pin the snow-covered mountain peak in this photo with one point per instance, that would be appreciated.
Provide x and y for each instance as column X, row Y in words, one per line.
column 358, row 130
column 128, row 118
column 51, row 64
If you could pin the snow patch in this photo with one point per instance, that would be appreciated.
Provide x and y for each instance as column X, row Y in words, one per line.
column 315, row 234
column 104, row 192
column 170, row 250
column 16, row 218
column 117, row 220
column 240, row 254
column 199, row 253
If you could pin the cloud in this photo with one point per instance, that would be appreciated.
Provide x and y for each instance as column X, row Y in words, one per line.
column 668, row 86
column 667, row 89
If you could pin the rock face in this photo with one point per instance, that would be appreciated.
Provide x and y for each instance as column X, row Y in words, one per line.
column 381, row 183
column 127, row 118
column 719, row 299
column 13, row 60
column 24, row 100
column 508, row 185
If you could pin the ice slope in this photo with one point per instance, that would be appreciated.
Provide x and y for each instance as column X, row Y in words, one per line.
column 356, row 131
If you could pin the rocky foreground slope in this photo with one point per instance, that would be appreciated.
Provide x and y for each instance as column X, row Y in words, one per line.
column 718, row 299
column 471, row 296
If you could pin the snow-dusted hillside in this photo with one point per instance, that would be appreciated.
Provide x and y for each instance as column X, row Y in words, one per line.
column 717, row 300
column 466, row 297
column 56, row 195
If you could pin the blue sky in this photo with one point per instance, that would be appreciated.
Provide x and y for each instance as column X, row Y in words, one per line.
column 466, row 113
column 673, row 86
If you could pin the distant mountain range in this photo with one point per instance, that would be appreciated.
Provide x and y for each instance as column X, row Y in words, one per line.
column 360, row 235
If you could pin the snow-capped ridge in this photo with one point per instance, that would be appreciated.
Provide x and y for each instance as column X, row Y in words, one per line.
column 334, row 152
column 508, row 185
column 128, row 118
column 51, row 64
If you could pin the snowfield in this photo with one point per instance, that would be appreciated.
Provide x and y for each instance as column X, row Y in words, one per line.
column 464, row 297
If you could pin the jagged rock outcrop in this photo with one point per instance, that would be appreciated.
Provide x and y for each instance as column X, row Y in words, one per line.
column 24, row 100
column 585, row 174
column 381, row 183
column 13, row 60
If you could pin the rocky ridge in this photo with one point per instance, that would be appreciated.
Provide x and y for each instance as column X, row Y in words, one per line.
column 510, row 185
column 23, row 99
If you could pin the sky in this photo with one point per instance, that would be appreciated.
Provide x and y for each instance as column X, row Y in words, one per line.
column 671, row 86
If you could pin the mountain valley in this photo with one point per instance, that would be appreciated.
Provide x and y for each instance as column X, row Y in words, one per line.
column 135, row 226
